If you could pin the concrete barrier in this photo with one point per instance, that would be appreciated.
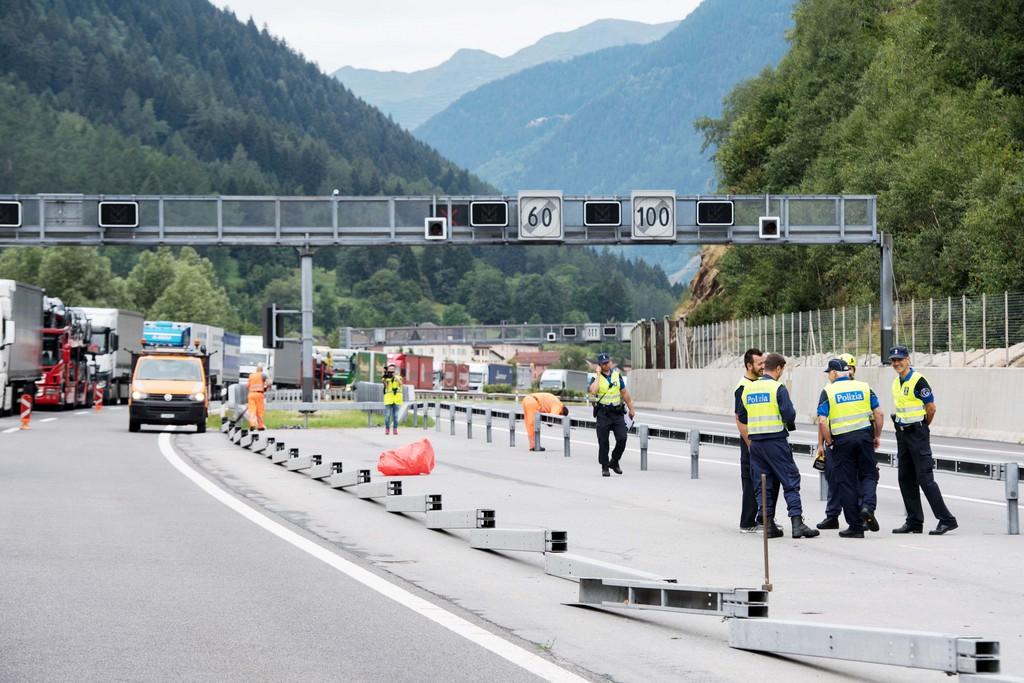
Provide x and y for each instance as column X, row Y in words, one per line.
column 972, row 402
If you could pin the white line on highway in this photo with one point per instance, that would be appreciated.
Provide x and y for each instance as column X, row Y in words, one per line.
column 11, row 429
column 499, row 646
column 736, row 464
column 48, row 419
column 82, row 412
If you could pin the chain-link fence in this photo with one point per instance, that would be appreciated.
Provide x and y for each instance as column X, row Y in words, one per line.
column 975, row 331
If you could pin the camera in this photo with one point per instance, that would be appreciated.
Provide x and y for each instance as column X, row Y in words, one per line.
column 388, row 374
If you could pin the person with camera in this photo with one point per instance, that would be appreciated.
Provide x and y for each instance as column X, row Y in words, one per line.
column 392, row 398
column 611, row 403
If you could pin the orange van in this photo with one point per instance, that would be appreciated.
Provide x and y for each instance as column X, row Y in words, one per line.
column 169, row 387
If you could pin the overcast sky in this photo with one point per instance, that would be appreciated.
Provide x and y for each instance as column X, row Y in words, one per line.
column 407, row 35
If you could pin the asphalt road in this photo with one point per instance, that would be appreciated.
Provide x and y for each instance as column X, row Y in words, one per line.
column 115, row 565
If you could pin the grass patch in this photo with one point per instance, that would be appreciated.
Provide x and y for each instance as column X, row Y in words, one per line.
column 325, row 419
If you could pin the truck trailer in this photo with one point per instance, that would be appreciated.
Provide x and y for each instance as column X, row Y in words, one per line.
column 67, row 380
column 417, row 371
column 21, row 342
column 565, row 380
column 455, row 376
column 114, row 333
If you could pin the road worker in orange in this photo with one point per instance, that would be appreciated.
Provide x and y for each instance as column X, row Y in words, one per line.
column 258, row 383
column 544, row 403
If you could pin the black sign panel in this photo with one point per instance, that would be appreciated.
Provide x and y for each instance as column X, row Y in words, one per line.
column 119, row 214
column 10, row 214
column 488, row 214
column 602, row 213
column 717, row 212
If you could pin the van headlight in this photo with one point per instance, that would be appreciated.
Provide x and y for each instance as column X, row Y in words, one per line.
column 199, row 396
column 139, row 395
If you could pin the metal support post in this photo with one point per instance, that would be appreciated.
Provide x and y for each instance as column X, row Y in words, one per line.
column 886, row 302
column 451, row 417
column 460, row 519
column 512, row 426
column 487, row 423
column 469, row 422
column 536, row 430
column 1012, row 496
column 745, row 603
column 643, row 433
column 915, row 649
column 426, row 411
column 306, row 263
column 415, row 414
column 822, row 486
column 694, row 439
column 437, row 416
column 566, row 430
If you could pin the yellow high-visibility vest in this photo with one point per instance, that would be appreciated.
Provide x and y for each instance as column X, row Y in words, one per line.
column 609, row 390
column 849, row 406
column 761, row 400
column 392, row 391
column 909, row 408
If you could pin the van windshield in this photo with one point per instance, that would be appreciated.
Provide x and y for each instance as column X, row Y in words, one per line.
column 169, row 368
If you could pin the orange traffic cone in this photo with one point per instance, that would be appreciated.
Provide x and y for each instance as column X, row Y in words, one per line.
column 97, row 398
column 26, row 410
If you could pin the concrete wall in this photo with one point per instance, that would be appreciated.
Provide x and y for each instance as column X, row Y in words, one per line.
column 980, row 403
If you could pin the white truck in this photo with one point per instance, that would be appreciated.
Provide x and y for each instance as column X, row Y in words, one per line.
column 223, row 348
column 115, row 333
column 21, row 342
column 251, row 354
column 565, row 380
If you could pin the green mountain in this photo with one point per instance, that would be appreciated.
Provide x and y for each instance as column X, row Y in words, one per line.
column 618, row 119
column 921, row 103
column 412, row 98
column 179, row 97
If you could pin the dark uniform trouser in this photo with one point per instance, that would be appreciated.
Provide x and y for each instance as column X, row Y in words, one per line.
column 916, row 474
column 610, row 421
column 774, row 458
column 868, row 487
column 749, row 506
column 856, row 474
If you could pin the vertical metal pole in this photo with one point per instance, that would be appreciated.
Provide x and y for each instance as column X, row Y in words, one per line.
column 369, row 418
column 451, row 417
column 822, row 486
column 566, row 429
column 536, row 429
column 469, row 422
column 643, row 433
column 426, row 412
column 437, row 416
column 886, row 302
column 963, row 322
column 306, row 263
column 487, row 424
column 984, row 329
column 949, row 329
column 1012, row 495
column 694, row 438
column 1006, row 324
column 415, row 414
column 767, row 585
column 512, row 425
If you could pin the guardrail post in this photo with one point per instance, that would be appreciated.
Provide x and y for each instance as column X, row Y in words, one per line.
column 512, row 426
column 437, row 416
column 694, row 453
column 536, row 429
column 566, row 429
column 822, row 486
column 1012, row 496
column 487, row 423
column 369, row 418
column 643, row 431
column 469, row 422
column 415, row 414
column 451, row 415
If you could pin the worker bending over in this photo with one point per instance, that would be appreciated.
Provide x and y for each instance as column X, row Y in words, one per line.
column 544, row 403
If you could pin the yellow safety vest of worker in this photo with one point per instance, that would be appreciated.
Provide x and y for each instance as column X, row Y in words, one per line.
column 609, row 389
column 392, row 391
column 256, row 383
column 760, row 398
column 849, row 406
column 909, row 408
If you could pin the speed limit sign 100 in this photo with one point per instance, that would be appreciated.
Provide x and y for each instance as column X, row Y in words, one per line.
column 654, row 214
column 540, row 215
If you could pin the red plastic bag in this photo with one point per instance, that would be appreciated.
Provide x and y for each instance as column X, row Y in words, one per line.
column 416, row 458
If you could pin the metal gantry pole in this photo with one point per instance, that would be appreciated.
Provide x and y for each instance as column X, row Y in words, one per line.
column 886, row 298
column 306, row 268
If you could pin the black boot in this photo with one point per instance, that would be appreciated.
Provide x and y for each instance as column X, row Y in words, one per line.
column 774, row 531
column 801, row 530
column 828, row 523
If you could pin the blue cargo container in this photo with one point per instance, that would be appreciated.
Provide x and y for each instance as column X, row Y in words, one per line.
column 164, row 333
column 501, row 374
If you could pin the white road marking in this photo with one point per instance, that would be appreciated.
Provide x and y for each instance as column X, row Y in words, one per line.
column 513, row 653
column 11, row 430
column 48, row 419
column 82, row 412
column 813, row 473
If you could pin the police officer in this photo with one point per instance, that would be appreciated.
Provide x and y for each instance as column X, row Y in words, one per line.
column 769, row 415
column 392, row 397
column 850, row 424
column 833, row 507
column 753, row 364
column 915, row 410
column 610, row 406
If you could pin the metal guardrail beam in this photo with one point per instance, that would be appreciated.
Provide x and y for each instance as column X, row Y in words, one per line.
column 424, row 502
column 627, row 593
column 915, row 649
column 460, row 519
column 576, row 567
column 526, row 540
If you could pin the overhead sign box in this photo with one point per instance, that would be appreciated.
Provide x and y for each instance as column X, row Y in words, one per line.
column 540, row 215
column 488, row 214
column 654, row 214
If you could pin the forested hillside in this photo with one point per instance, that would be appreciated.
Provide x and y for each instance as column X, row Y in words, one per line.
column 176, row 96
column 921, row 102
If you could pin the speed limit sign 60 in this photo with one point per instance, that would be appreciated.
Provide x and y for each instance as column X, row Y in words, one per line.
column 654, row 214
column 540, row 215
